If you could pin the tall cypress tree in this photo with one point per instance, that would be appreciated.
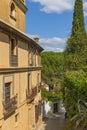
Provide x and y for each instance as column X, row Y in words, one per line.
column 75, row 52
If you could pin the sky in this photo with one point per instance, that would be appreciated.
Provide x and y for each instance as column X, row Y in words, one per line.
column 51, row 21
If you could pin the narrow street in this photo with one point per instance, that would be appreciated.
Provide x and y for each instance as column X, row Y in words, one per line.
column 54, row 122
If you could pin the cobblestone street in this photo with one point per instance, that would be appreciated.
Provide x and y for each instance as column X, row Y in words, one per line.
column 53, row 122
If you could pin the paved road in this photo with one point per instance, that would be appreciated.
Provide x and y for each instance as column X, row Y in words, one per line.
column 54, row 122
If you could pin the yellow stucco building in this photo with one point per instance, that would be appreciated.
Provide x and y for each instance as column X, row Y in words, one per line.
column 20, row 70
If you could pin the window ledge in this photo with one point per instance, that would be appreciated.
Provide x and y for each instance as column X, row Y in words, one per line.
column 13, row 17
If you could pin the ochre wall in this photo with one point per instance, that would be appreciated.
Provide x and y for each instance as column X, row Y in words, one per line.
column 5, row 15
column 4, row 50
column 22, row 54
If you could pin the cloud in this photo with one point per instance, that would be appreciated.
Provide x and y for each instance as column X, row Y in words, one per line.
column 58, row 6
column 85, row 8
column 53, row 44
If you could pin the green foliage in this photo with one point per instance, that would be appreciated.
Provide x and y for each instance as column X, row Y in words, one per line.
column 85, row 68
column 75, row 54
column 79, row 123
column 74, row 87
column 78, row 26
column 76, row 49
column 49, row 95
column 52, row 67
column 70, row 125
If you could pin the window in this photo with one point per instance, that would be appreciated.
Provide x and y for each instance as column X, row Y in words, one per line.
column 13, row 47
column 30, row 58
column 7, row 93
column 13, row 52
column 16, row 117
column 39, row 59
column 36, row 58
column 9, row 100
column 28, row 90
column 12, row 10
column 38, row 78
column 28, row 82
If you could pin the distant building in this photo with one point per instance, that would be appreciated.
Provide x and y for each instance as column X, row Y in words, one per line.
column 45, row 86
column 20, row 70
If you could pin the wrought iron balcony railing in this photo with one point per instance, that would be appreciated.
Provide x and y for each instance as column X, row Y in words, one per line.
column 10, row 106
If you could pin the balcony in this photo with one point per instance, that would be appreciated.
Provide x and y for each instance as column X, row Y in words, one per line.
column 14, row 60
column 30, row 95
column 10, row 106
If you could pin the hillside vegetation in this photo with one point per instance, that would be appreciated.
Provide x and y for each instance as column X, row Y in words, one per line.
column 52, row 67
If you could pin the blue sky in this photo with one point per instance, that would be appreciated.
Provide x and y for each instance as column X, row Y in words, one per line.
column 51, row 21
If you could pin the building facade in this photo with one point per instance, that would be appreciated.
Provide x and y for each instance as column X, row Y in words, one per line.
column 20, row 70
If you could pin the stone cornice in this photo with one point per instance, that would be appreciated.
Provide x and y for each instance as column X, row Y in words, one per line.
column 21, row 5
column 21, row 35
column 19, row 69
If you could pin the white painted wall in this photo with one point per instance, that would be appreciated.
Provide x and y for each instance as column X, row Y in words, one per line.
column 46, row 108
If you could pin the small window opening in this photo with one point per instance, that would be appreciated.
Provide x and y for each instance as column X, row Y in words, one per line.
column 12, row 10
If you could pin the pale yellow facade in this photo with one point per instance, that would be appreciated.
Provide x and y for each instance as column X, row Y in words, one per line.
column 20, row 70
column 20, row 10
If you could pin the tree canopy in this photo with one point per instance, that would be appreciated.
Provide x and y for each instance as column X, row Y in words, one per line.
column 52, row 67
column 76, row 48
column 74, row 88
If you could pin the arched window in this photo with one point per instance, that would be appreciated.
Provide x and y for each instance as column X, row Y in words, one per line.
column 13, row 10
